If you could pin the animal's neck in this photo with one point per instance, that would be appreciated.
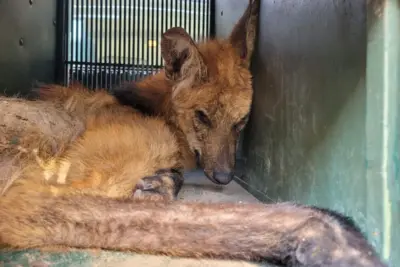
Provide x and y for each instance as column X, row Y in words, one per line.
column 156, row 91
column 188, row 157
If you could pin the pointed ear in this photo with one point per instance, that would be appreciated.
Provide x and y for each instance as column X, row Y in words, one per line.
column 243, row 34
column 183, row 61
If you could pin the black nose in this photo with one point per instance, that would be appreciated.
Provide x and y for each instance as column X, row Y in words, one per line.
column 222, row 178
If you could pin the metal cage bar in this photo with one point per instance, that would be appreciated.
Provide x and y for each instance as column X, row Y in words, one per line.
column 107, row 42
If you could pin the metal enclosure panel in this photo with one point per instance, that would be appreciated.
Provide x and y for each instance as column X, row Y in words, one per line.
column 227, row 13
column 315, row 134
column 383, row 126
column 107, row 43
column 27, row 44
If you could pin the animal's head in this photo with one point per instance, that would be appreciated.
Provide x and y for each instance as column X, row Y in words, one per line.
column 211, row 91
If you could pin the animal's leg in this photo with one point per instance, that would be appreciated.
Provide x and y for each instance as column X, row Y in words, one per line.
column 164, row 185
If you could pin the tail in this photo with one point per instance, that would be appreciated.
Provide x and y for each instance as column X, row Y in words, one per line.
column 75, row 98
column 284, row 234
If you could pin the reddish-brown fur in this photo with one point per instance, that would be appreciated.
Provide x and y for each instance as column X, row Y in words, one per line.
column 280, row 233
column 35, row 213
column 76, row 160
column 204, row 93
column 115, row 146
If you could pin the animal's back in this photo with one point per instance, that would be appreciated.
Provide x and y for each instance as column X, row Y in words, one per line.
column 124, row 147
column 117, row 148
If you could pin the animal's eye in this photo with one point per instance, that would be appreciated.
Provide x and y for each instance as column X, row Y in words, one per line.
column 240, row 125
column 203, row 118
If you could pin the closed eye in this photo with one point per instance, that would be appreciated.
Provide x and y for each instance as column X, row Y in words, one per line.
column 240, row 125
column 203, row 118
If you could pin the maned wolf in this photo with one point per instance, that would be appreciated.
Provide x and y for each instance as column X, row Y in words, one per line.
column 71, row 167
column 204, row 93
column 93, row 207
column 83, row 198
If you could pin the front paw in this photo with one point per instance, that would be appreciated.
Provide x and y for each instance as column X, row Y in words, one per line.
column 164, row 185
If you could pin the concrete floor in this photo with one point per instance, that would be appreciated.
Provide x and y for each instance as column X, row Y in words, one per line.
column 196, row 188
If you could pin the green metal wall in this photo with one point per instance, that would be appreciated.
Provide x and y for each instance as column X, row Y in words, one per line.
column 27, row 44
column 383, row 126
column 324, row 126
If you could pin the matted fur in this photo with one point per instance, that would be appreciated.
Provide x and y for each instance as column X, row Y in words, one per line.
column 38, row 129
column 108, row 150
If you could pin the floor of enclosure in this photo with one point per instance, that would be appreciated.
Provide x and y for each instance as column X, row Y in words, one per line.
column 196, row 188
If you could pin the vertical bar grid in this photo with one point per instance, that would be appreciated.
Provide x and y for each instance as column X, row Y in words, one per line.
column 131, row 26
column 82, row 36
column 114, row 29
column 75, row 38
column 163, row 26
column 95, row 45
column 157, row 33
column 66, row 35
column 100, row 43
column 86, row 44
column 136, row 35
column 146, row 27
column 108, row 42
column 142, row 30
column 124, row 27
column 109, row 56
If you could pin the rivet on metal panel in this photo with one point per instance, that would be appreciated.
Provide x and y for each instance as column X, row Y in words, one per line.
column 222, row 13
column 31, row 2
column 21, row 41
column 54, row 22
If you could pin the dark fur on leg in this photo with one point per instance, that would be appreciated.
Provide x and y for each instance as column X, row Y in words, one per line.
column 165, row 185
